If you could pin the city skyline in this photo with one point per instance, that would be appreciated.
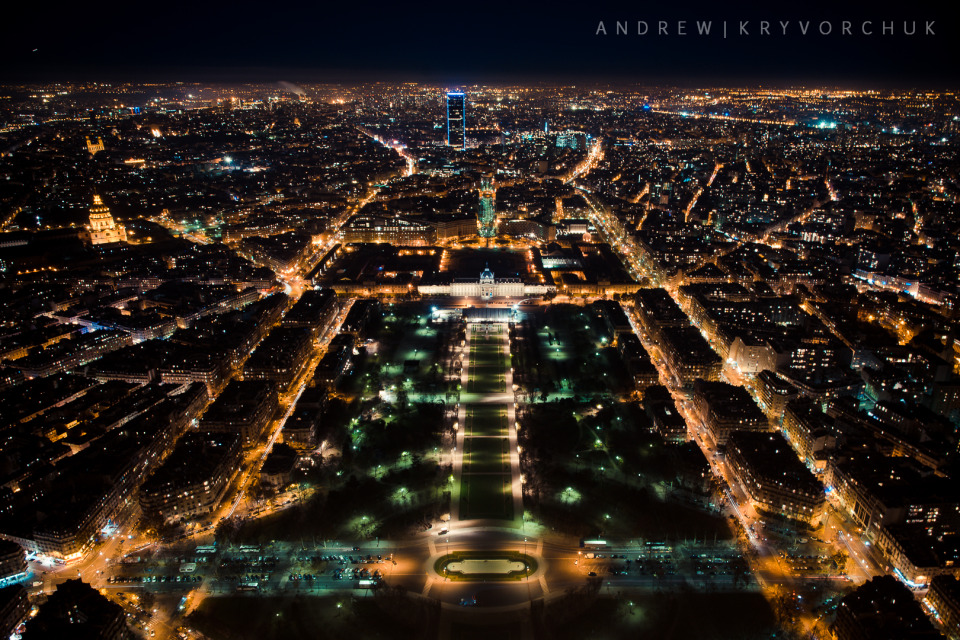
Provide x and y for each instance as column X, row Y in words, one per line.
column 452, row 321
column 265, row 341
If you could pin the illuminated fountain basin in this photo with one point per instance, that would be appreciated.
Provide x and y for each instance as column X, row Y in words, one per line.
column 485, row 565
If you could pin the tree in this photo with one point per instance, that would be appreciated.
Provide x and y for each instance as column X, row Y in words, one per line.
column 147, row 599
column 839, row 560
column 151, row 523
column 227, row 531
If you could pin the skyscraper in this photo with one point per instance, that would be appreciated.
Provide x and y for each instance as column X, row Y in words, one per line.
column 487, row 214
column 456, row 120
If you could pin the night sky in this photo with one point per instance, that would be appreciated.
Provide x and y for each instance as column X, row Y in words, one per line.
column 459, row 42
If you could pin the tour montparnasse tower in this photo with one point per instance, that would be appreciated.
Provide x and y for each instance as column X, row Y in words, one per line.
column 487, row 214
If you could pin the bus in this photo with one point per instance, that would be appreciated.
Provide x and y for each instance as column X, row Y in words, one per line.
column 593, row 544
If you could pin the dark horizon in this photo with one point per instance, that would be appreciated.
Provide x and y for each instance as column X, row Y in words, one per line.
column 458, row 44
column 264, row 75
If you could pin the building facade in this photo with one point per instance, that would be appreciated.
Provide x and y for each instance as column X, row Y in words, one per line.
column 725, row 408
column 944, row 599
column 194, row 478
column 14, row 606
column 396, row 231
column 245, row 407
column 773, row 477
column 102, row 228
column 13, row 562
column 77, row 610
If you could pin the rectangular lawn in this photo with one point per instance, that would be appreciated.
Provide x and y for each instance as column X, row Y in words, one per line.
column 486, row 420
column 486, row 455
column 486, row 496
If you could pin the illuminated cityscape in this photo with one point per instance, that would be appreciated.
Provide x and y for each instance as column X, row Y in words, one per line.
column 696, row 346
column 475, row 322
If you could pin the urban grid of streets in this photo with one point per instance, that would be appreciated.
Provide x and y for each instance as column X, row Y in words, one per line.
column 489, row 392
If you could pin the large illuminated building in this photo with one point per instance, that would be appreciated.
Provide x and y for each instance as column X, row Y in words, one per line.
column 102, row 228
column 94, row 147
column 487, row 286
column 395, row 230
column 456, row 120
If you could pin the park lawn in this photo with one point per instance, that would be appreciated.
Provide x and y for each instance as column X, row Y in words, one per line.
column 465, row 631
column 485, row 378
column 678, row 616
column 486, row 420
column 486, row 481
column 488, row 380
column 486, row 374
column 294, row 618
column 487, row 496
column 486, row 455
column 487, row 368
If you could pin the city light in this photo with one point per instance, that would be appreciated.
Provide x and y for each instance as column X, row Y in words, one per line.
column 495, row 347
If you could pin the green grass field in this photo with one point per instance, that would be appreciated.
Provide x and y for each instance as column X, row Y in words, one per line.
column 485, row 490
column 486, row 496
column 465, row 631
column 486, row 420
column 486, row 455
column 486, row 373
column 299, row 618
